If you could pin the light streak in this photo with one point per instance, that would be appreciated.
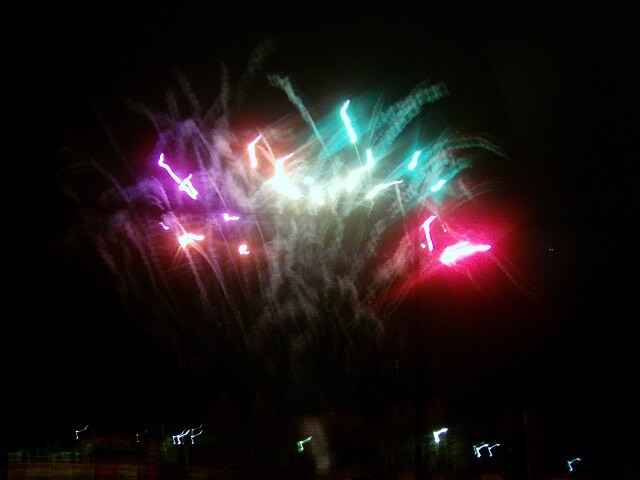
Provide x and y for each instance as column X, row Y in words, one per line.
column 453, row 253
column 353, row 138
column 189, row 238
column 252, row 151
column 414, row 161
column 300, row 443
column 187, row 187
column 437, row 433
column 80, row 431
column 281, row 182
column 183, row 185
column 195, row 432
column 426, row 226
column 138, row 435
column 438, row 185
column 478, row 447
column 230, row 218
column 379, row 188
column 192, row 432
column 491, row 448
column 354, row 176
column 571, row 462
column 177, row 439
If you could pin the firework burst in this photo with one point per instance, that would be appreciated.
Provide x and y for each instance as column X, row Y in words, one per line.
column 288, row 246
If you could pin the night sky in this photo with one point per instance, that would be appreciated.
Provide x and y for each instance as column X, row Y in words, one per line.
column 549, row 326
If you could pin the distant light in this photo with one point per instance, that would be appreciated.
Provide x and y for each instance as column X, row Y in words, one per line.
column 138, row 435
column 80, row 431
column 301, row 443
column 437, row 433
column 192, row 432
column 491, row 448
column 478, row 447
column 571, row 462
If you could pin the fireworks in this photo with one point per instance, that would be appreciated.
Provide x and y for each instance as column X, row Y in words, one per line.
column 288, row 246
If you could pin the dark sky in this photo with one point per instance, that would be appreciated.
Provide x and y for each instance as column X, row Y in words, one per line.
column 556, row 84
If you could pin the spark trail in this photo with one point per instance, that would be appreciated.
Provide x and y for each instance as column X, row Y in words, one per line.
column 290, row 284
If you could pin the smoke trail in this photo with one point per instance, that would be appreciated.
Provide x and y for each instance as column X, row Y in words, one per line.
column 285, row 85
